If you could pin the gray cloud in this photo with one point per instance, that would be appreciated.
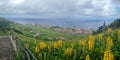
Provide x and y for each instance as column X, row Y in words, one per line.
column 60, row 8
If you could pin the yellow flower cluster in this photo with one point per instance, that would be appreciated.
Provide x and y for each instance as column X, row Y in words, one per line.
column 108, row 55
column 91, row 42
column 87, row 57
column 60, row 43
column 55, row 45
column 42, row 45
column 109, row 43
column 82, row 43
column 68, row 52
column 100, row 36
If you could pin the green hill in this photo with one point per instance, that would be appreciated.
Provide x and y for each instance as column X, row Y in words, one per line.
column 31, row 31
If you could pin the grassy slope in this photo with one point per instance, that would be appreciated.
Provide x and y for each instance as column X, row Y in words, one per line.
column 26, row 37
column 47, row 33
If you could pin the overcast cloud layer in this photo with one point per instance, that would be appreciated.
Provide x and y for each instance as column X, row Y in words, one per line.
column 60, row 8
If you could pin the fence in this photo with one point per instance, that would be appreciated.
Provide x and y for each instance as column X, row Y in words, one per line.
column 20, row 46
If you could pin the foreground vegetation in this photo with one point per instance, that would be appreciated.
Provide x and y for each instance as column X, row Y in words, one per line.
column 104, row 46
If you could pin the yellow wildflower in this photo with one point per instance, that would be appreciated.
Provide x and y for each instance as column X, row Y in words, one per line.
column 111, row 56
column 87, row 57
column 91, row 42
column 108, row 55
column 109, row 30
column 37, row 50
column 68, row 52
column 100, row 36
column 119, row 33
column 55, row 45
column 91, row 37
column 60, row 43
column 109, row 43
column 43, row 45
column 82, row 43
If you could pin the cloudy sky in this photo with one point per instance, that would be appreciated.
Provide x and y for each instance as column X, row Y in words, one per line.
column 103, row 10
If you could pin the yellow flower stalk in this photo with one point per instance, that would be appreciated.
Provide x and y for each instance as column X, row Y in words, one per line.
column 68, row 52
column 109, row 30
column 55, row 45
column 37, row 50
column 87, row 57
column 111, row 55
column 109, row 43
column 42, row 45
column 100, row 36
column 91, row 42
column 119, row 33
column 60, row 43
column 108, row 55
column 82, row 43
column 91, row 37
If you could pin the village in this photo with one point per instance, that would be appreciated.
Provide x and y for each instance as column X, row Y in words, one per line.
column 73, row 30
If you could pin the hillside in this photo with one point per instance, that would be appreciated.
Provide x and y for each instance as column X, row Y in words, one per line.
column 48, row 44
column 31, row 31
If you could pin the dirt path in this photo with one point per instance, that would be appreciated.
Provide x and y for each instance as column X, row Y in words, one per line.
column 6, row 49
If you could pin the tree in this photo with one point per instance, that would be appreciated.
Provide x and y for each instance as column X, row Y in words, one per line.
column 101, row 28
column 4, row 24
column 104, row 26
column 114, row 25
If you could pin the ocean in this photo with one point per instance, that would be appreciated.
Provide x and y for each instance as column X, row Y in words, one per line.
column 66, row 22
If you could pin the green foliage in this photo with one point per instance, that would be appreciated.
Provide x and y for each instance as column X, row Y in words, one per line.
column 113, row 25
column 5, row 24
column 100, row 29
